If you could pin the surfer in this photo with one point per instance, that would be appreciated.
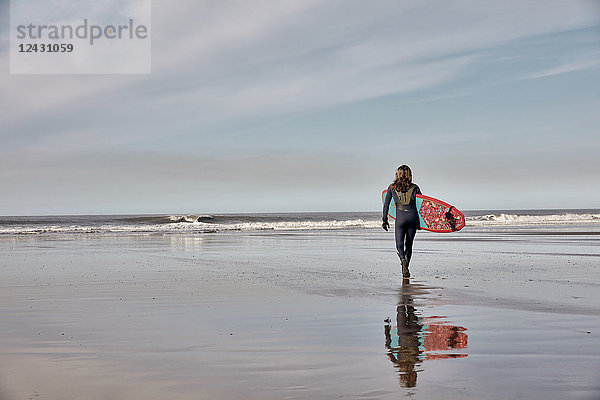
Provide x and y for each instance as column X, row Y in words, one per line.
column 404, row 193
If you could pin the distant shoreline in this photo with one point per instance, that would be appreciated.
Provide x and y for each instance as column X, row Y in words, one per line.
column 321, row 221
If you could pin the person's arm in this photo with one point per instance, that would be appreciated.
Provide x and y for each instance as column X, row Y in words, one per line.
column 386, row 205
column 418, row 191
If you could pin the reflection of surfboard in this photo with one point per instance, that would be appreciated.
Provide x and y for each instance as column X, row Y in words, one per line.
column 434, row 214
column 431, row 338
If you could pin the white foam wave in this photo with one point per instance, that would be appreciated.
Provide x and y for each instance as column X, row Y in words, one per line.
column 193, row 226
column 186, row 218
column 523, row 220
column 210, row 223
column 295, row 225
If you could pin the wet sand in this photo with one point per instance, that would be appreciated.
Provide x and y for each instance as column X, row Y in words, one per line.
column 490, row 313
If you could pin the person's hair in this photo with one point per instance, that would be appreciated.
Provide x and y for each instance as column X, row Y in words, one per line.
column 402, row 183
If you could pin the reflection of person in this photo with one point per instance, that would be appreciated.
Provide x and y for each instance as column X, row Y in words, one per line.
column 416, row 339
column 404, row 193
column 406, row 352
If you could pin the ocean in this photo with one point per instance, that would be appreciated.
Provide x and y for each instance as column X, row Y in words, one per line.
column 215, row 223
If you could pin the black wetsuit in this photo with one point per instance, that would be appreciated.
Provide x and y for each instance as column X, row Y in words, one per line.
column 407, row 221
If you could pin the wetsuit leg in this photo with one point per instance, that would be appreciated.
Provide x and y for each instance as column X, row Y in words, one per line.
column 400, row 232
column 405, row 230
column 411, row 231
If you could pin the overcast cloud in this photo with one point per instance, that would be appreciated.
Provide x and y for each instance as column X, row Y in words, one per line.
column 311, row 105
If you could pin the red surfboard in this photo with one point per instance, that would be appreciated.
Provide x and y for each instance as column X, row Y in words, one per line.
column 434, row 215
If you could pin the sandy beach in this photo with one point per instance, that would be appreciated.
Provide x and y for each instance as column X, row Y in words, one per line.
column 490, row 313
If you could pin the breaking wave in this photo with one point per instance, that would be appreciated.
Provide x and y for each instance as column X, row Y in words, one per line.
column 208, row 223
column 184, row 223
column 507, row 219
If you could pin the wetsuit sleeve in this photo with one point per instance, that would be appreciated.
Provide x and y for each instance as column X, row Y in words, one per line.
column 386, row 204
column 417, row 191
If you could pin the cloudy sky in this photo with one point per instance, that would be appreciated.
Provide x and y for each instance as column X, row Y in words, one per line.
column 310, row 105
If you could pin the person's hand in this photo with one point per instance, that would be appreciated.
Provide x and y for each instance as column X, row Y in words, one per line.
column 385, row 225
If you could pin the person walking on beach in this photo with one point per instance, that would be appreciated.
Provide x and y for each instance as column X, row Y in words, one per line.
column 404, row 193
